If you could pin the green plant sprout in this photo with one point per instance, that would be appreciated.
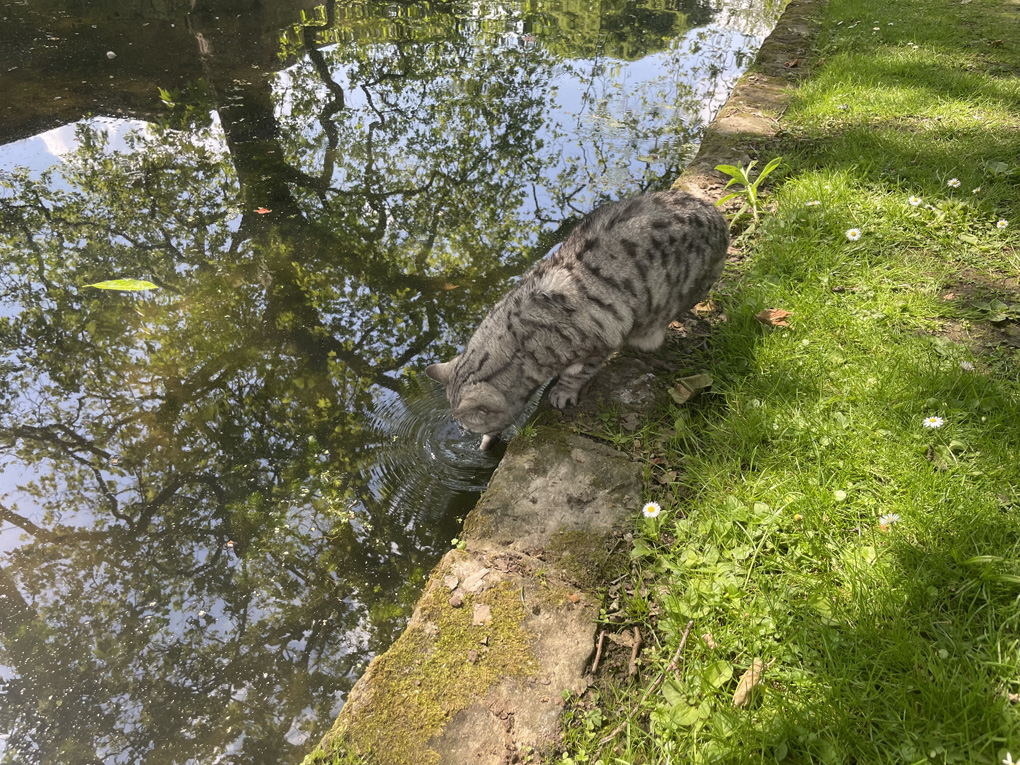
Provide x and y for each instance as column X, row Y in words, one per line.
column 749, row 192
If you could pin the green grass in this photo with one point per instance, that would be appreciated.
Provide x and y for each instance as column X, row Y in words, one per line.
column 887, row 643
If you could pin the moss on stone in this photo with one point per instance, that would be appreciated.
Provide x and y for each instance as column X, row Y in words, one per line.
column 427, row 676
column 586, row 557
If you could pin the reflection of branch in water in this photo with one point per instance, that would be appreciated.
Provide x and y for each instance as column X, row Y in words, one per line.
column 47, row 535
column 330, row 108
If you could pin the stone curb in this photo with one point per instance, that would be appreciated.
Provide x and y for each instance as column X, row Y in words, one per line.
column 488, row 689
column 757, row 102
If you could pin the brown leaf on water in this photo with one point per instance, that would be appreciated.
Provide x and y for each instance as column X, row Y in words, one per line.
column 450, row 286
column 773, row 317
column 748, row 682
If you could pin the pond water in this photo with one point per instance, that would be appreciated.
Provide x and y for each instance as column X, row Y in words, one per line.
column 220, row 497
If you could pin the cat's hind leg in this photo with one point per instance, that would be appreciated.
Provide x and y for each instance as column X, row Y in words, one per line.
column 568, row 388
column 646, row 338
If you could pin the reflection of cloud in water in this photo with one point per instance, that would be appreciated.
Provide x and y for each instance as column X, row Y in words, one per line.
column 45, row 150
column 59, row 140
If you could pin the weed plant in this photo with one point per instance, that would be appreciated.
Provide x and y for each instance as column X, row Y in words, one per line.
column 846, row 500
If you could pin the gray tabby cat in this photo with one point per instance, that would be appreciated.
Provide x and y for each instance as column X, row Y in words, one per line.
column 625, row 272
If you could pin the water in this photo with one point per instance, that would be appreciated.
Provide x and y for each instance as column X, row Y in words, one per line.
column 220, row 498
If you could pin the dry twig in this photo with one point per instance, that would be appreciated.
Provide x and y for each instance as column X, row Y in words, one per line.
column 658, row 681
column 598, row 652
column 632, row 664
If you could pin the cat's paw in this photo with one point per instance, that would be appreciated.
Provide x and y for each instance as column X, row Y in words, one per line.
column 561, row 398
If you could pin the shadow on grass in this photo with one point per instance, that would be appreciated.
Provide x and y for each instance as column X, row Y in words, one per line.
column 914, row 656
column 917, row 672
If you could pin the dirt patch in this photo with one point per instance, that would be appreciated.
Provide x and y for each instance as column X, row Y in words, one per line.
column 983, row 311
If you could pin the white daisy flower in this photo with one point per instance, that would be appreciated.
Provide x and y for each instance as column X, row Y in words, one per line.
column 953, row 183
column 933, row 422
column 651, row 510
column 853, row 234
column 1002, row 223
column 914, row 201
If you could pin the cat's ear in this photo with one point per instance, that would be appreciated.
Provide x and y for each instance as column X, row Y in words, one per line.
column 442, row 373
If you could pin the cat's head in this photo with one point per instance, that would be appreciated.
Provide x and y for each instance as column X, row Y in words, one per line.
column 479, row 407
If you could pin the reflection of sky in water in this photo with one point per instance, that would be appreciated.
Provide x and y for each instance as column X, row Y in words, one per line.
column 41, row 152
column 624, row 87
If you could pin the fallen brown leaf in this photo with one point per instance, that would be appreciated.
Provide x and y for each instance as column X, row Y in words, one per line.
column 793, row 64
column 625, row 639
column 665, row 478
column 687, row 388
column 748, row 682
column 773, row 317
column 630, row 421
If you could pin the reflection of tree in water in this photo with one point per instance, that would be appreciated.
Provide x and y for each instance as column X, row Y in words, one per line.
column 618, row 29
column 233, row 405
column 193, row 457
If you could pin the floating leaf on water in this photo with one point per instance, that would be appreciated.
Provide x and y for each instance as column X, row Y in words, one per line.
column 127, row 285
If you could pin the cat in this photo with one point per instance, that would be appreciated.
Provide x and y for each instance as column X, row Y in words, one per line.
column 626, row 271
